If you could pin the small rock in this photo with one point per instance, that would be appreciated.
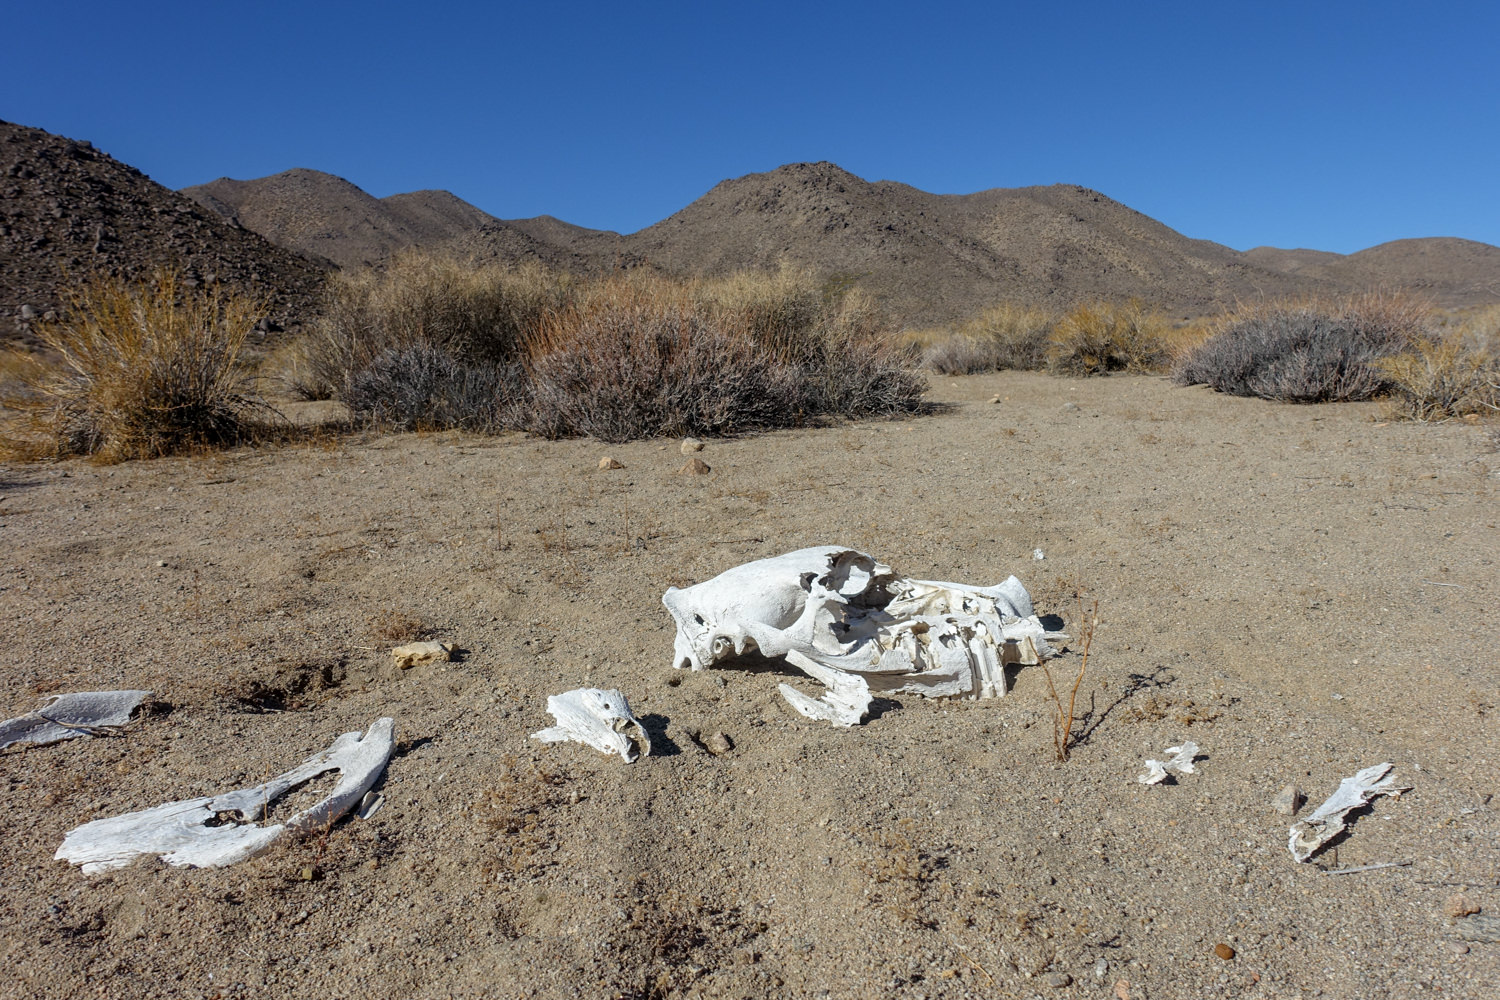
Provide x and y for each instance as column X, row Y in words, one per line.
column 694, row 467
column 610, row 462
column 994, row 399
column 1058, row 980
column 1224, row 951
column 308, row 875
column 718, row 743
column 422, row 652
column 161, row 564
column 690, row 445
column 1482, row 928
column 1458, row 947
column 1070, row 407
column 1101, row 969
column 28, row 313
column 1288, row 800
column 1038, row 555
column 1461, row 905
column 744, row 956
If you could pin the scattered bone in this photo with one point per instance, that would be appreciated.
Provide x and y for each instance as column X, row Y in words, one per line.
column 610, row 462
column 1038, row 555
column 180, row 831
column 85, row 713
column 1328, row 821
column 690, row 445
column 414, row 653
column 369, row 805
column 694, row 467
column 1182, row 763
column 1288, row 800
column 847, row 613
column 602, row 719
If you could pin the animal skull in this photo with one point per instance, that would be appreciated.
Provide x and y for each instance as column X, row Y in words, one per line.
column 842, row 610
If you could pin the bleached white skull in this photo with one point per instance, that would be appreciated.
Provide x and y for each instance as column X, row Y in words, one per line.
column 833, row 608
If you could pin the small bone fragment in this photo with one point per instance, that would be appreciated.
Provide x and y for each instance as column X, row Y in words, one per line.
column 602, row 719
column 70, row 715
column 369, row 805
column 1328, row 821
column 610, row 462
column 179, row 831
column 845, row 703
column 694, row 467
column 422, row 652
column 1182, row 763
column 690, row 445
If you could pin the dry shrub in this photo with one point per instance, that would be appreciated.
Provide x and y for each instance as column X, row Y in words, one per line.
column 1309, row 351
column 1439, row 378
column 421, row 388
column 478, row 314
column 137, row 372
column 1108, row 337
column 640, row 360
column 633, row 355
column 1002, row 337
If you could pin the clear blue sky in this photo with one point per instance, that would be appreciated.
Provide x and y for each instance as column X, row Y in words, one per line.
column 1327, row 124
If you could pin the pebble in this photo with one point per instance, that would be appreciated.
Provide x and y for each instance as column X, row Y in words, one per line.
column 161, row 564
column 1288, row 800
column 1038, row 555
column 1058, row 980
column 610, row 462
column 994, row 399
column 1224, row 951
column 1460, row 905
column 1070, row 407
column 718, row 743
column 694, row 467
column 690, row 445
column 1101, row 969
column 1458, row 947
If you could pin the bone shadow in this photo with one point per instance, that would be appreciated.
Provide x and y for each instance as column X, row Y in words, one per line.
column 655, row 726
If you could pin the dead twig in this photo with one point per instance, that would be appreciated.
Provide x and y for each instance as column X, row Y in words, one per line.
column 1062, row 719
column 1368, row 868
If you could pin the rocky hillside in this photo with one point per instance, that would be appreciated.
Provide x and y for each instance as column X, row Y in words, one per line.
column 68, row 211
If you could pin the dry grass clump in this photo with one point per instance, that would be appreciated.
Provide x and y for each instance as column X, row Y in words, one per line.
column 1442, row 377
column 1307, row 351
column 137, row 372
column 1090, row 339
column 429, row 345
column 1109, row 337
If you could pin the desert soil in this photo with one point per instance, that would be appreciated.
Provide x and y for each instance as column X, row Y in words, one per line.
column 1303, row 591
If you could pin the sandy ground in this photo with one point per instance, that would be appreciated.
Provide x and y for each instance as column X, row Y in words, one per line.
column 1303, row 591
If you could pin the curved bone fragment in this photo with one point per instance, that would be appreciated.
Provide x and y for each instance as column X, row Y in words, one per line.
column 848, row 612
column 602, row 719
column 845, row 703
column 1327, row 821
column 65, row 716
column 1182, row 763
column 180, row 831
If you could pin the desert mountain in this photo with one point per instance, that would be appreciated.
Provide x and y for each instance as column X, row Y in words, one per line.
column 69, row 211
column 928, row 257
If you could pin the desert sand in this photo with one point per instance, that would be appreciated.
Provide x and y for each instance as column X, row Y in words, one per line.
column 1302, row 591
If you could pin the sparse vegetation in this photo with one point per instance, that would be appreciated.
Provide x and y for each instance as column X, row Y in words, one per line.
column 1439, row 378
column 137, row 372
column 1308, row 351
column 429, row 344
column 1110, row 337
column 1002, row 337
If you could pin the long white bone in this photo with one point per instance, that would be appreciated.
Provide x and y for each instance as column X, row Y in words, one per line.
column 1328, row 821
column 180, row 833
